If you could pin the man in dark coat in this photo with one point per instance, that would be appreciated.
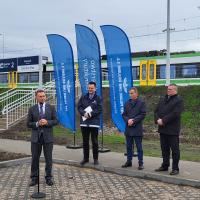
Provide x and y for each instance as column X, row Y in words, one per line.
column 133, row 115
column 41, row 119
column 90, row 108
column 168, row 117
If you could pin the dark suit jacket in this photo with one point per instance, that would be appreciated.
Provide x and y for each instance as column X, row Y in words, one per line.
column 134, row 110
column 33, row 117
column 169, row 110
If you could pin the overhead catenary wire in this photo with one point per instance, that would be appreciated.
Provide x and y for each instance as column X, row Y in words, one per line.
column 164, row 22
column 160, row 25
column 163, row 33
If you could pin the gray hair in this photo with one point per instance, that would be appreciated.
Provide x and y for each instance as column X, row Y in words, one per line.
column 173, row 84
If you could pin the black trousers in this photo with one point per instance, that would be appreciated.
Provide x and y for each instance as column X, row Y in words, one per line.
column 170, row 142
column 36, row 152
column 86, row 131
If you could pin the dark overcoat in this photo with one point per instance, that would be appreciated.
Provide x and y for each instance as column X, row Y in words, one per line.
column 136, row 110
column 169, row 109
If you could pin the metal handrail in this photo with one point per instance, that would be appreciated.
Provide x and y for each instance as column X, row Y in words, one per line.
column 19, row 101
column 27, row 97
column 16, row 107
column 6, row 92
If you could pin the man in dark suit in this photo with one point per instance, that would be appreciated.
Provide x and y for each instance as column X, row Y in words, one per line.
column 90, row 121
column 41, row 119
column 167, row 116
column 133, row 115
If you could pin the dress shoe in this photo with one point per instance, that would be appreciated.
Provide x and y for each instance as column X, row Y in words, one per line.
column 84, row 161
column 33, row 183
column 49, row 182
column 174, row 172
column 140, row 167
column 127, row 164
column 96, row 162
column 161, row 169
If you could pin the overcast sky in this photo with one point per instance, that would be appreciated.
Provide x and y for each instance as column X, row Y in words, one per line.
column 25, row 23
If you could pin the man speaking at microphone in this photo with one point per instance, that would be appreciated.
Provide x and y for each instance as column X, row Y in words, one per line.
column 41, row 119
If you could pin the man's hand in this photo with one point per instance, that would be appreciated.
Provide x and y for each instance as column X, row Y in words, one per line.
column 160, row 122
column 43, row 122
column 86, row 115
column 130, row 122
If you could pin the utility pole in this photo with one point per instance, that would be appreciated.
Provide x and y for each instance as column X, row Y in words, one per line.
column 40, row 72
column 2, row 34
column 168, row 45
column 92, row 25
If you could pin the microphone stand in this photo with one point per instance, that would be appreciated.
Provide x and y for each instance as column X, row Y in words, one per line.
column 38, row 194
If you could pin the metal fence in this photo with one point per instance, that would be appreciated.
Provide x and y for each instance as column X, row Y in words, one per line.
column 14, row 104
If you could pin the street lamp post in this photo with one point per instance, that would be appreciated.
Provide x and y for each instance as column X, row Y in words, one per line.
column 168, row 45
column 92, row 25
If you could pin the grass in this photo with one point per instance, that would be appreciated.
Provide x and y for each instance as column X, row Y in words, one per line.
column 151, row 147
column 116, row 143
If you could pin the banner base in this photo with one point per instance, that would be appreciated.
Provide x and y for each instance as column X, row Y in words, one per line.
column 103, row 150
column 134, row 154
column 38, row 195
column 76, row 146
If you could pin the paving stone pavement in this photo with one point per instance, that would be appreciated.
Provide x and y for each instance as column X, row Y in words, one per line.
column 74, row 183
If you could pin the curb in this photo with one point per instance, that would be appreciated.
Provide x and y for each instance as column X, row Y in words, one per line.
column 10, row 163
column 132, row 173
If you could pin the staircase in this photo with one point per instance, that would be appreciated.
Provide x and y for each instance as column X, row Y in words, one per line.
column 14, row 104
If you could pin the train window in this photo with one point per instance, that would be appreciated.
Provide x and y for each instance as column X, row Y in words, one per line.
column 46, row 77
column 34, row 77
column 136, row 73
column 23, row 78
column 173, row 71
column 163, row 71
column 52, row 76
column 4, row 78
column 189, row 71
column 151, row 75
column 144, row 72
column 104, row 75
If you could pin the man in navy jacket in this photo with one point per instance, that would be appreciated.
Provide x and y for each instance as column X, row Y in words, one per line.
column 89, row 107
column 133, row 115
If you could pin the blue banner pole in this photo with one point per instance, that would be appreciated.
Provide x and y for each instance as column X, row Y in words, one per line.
column 119, row 71
column 63, row 62
column 89, row 61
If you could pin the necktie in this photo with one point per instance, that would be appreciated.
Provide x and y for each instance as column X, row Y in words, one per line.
column 41, row 113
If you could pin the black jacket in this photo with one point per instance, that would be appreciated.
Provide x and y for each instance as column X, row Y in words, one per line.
column 169, row 110
column 95, row 103
column 134, row 110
